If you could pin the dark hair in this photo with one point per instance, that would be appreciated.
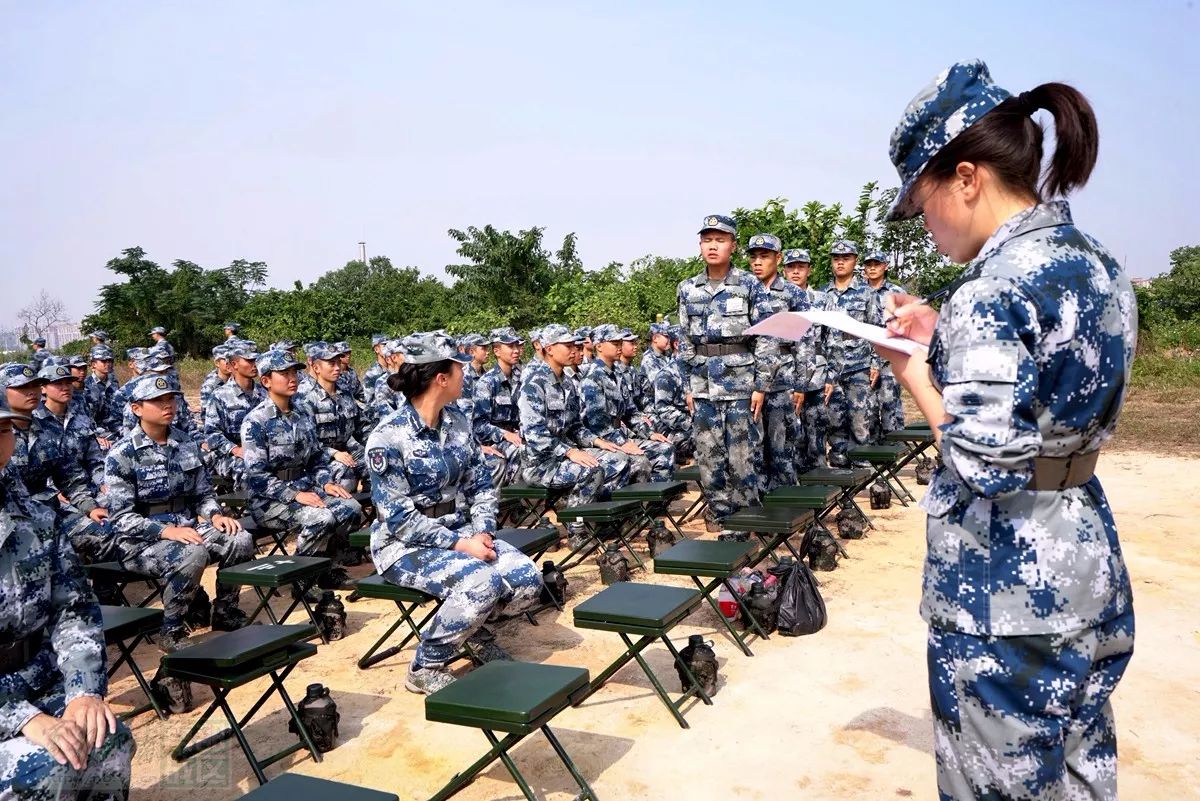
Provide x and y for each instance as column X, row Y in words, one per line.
column 414, row 379
column 1009, row 141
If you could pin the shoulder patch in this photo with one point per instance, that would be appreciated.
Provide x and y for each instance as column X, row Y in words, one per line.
column 377, row 459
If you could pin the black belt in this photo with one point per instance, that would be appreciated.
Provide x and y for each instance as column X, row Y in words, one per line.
column 172, row 506
column 787, row 347
column 16, row 655
column 438, row 509
column 723, row 349
column 289, row 473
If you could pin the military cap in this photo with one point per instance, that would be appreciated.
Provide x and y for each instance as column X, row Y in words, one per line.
column 765, row 242
column 535, row 335
column 54, row 361
column 101, row 353
column 100, row 335
column 628, row 335
column 504, row 336
column 432, row 346
column 320, row 350
column 149, row 386
column 676, row 332
column 242, row 349
column 16, row 374
column 234, row 327
column 606, row 333
column 584, row 332
column 951, row 103
column 877, row 255
column 796, row 256
column 283, row 344
column 556, row 334
column 663, row 329
column 77, row 361
column 221, row 351
column 154, row 363
column 472, row 341
column 718, row 222
column 158, row 329
column 340, row 347
column 843, row 247
column 6, row 412
column 133, row 354
column 51, row 373
column 392, row 346
column 378, row 339
column 40, row 341
column 275, row 361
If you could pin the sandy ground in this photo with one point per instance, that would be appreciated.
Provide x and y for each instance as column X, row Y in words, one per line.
column 842, row 714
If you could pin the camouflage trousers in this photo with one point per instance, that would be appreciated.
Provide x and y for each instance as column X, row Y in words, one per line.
column 727, row 446
column 1027, row 717
column 347, row 477
column 318, row 525
column 471, row 590
column 810, row 432
column 587, row 484
column 779, row 439
column 505, row 471
column 92, row 541
column 890, row 407
column 29, row 773
column 180, row 565
column 852, row 412
column 656, row 464
column 227, row 466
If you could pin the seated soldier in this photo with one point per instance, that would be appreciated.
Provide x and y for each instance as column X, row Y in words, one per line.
column 348, row 381
column 437, row 514
column 376, row 369
column 494, row 410
column 216, row 377
column 560, row 452
column 668, row 411
column 183, row 414
column 230, row 404
column 289, row 475
column 336, row 414
column 164, row 514
column 386, row 398
column 58, row 738
column 65, row 420
column 651, row 459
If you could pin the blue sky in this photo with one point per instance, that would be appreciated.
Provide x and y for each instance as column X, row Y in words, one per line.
column 288, row 131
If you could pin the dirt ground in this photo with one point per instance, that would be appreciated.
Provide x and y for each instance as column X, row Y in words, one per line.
column 842, row 714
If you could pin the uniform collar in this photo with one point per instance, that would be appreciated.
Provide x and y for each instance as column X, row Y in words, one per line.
column 731, row 277
column 856, row 284
column 412, row 418
column 1043, row 215
column 141, row 439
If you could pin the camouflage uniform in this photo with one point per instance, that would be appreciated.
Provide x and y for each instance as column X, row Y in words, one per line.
column 369, row 380
column 811, row 375
column 183, row 414
column 413, row 468
column 494, row 411
column 667, row 410
column 153, row 486
column 284, row 457
column 1025, row 591
column 78, row 436
column 779, row 410
column 851, row 407
column 43, row 588
column 727, row 437
column 349, row 383
column 223, row 427
column 552, row 424
column 602, row 404
column 339, row 428
column 888, row 404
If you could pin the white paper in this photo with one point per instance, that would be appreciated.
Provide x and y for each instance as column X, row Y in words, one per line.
column 794, row 325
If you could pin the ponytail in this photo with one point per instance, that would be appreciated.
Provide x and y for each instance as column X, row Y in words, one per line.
column 1009, row 142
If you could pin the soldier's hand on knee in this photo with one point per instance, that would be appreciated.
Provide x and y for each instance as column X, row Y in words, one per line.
column 98, row 515
column 657, row 437
column 582, row 458
column 632, row 449
column 487, row 538
column 182, row 534
column 514, row 438
column 225, row 524
column 62, row 738
column 488, row 450
column 337, row 491
column 310, row 499
column 474, row 546
column 605, row 445
column 344, row 458
column 756, row 403
column 94, row 717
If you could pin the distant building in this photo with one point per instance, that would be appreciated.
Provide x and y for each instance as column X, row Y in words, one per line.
column 1142, row 282
column 56, row 337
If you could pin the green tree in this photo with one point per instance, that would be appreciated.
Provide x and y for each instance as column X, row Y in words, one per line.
column 1179, row 290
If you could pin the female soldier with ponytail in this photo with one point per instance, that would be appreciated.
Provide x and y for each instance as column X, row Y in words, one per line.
column 1025, row 591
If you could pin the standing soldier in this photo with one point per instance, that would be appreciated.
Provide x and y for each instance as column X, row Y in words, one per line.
column 496, row 418
column 584, row 335
column 779, row 411
column 728, row 372
column 887, row 391
column 40, row 354
column 853, row 365
column 289, row 475
column 337, row 416
column 161, row 345
column 559, row 450
column 230, row 404
column 98, row 337
column 811, row 369
column 58, row 738
column 232, row 330
column 166, row 518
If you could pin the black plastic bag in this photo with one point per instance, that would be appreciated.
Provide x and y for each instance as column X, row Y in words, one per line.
column 801, row 607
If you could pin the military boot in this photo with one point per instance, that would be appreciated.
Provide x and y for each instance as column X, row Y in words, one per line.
column 427, row 679
column 229, row 618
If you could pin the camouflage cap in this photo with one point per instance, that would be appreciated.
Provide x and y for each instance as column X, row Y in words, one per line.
column 16, row 374
column 876, row 255
column 52, row 373
column 149, row 386
column 54, row 361
column 660, row 329
column 77, row 360
column 796, row 256
column 100, row 335
column 556, row 334
column 39, row 341
column 951, row 103
column 392, row 346
column 432, row 346
column 378, row 339
column 320, row 350
column 718, row 222
column 583, row 332
column 341, row 347
column 471, row 341
column 102, row 353
column 154, row 363
column 275, row 361
column 158, row 329
column 234, row 327
column 628, row 335
column 764, row 242
column 134, row 354
column 504, row 336
column 220, row 351
column 676, row 332
column 535, row 336
column 606, row 333
column 843, row 247
column 242, row 349
column 283, row 344
column 160, row 350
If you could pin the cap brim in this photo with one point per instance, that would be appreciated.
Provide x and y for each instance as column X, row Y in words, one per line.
column 9, row 414
column 899, row 210
column 158, row 395
column 285, row 366
column 17, row 384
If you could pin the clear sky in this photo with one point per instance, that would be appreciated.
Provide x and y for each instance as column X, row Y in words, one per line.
column 288, row 131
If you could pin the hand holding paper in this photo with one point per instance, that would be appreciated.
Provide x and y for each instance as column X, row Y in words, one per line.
column 794, row 325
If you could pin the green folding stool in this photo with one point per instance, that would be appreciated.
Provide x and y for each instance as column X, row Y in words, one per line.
column 611, row 518
column 407, row 600
column 534, row 501
column 648, row 611
column 516, row 698
column 533, row 542
column 271, row 574
column 234, row 659
column 821, row 499
column 298, row 787
column 113, row 573
column 719, row 561
column 124, row 628
column 774, row 526
column 883, row 460
column 656, row 498
column 851, row 481
column 691, row 473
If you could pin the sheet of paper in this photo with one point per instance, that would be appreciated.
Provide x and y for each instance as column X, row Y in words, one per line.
column 794, row 325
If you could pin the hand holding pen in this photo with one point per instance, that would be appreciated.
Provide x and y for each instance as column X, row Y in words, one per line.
column 910, row 316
